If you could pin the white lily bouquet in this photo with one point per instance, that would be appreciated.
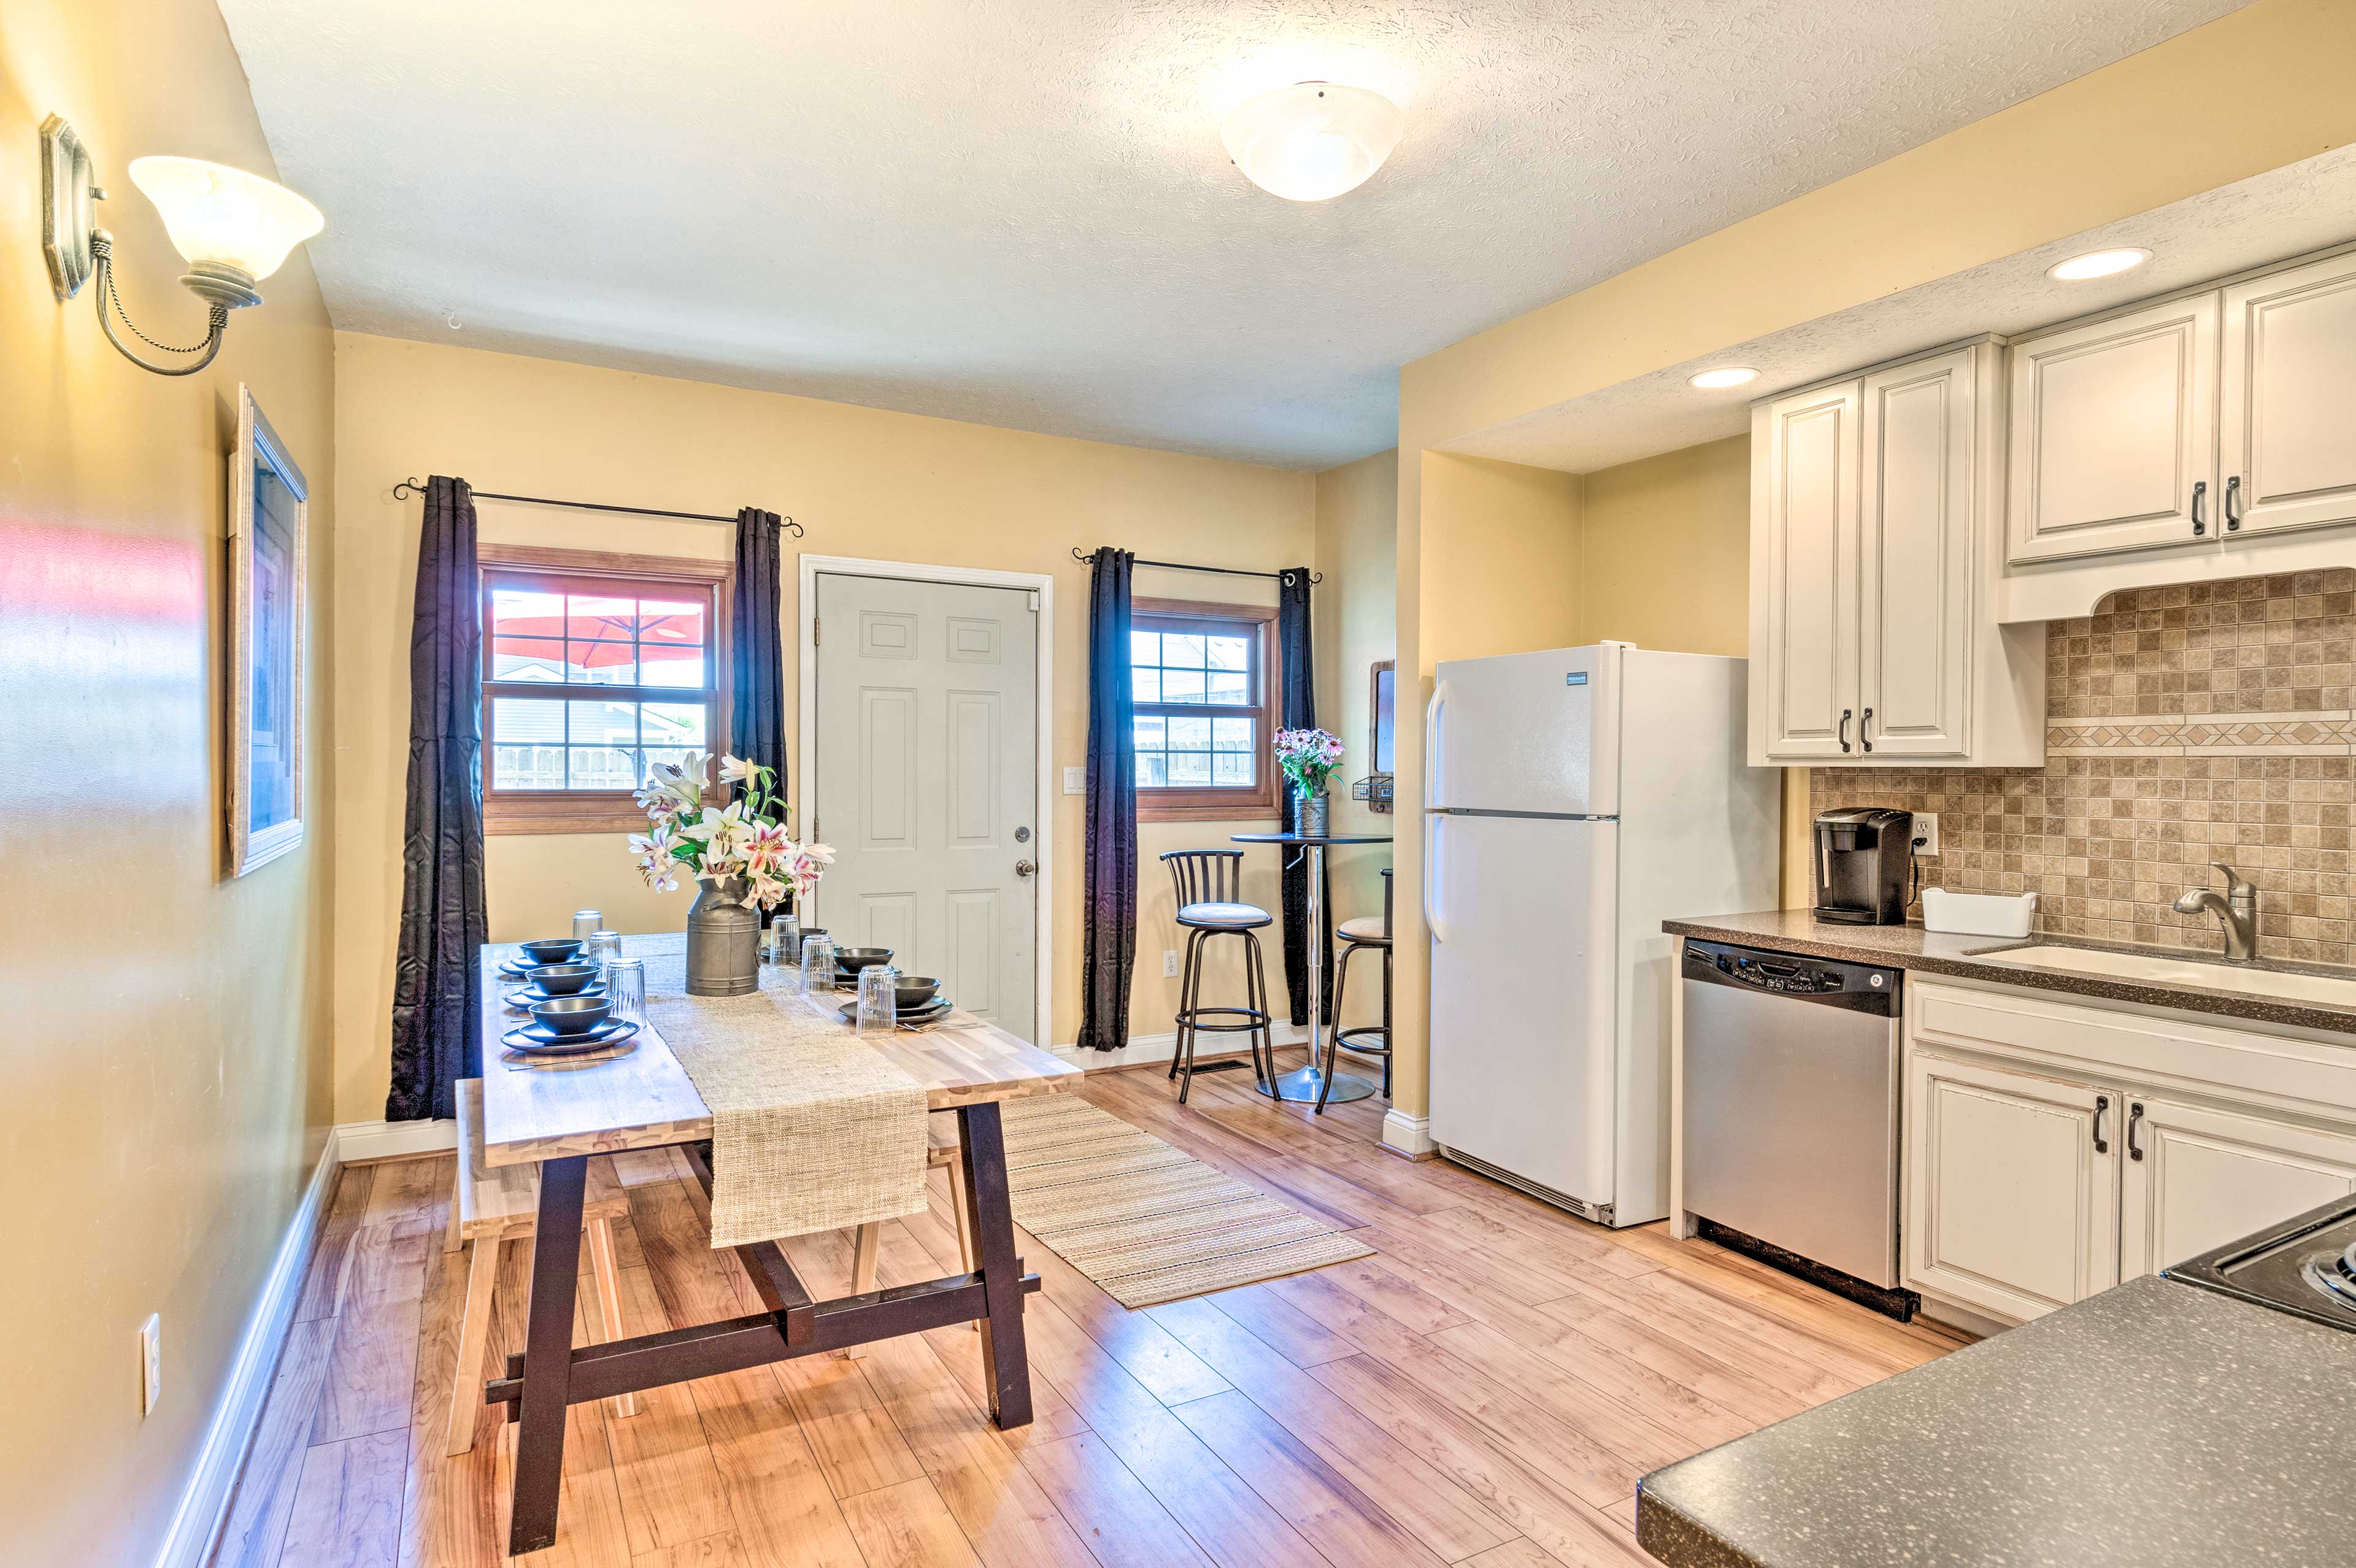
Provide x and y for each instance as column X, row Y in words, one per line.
column 745, row 839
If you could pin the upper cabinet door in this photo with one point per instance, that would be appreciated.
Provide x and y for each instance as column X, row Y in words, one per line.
column 2115, row 433
column 1915, row 558
column 2289, row 399
column 1805, row 587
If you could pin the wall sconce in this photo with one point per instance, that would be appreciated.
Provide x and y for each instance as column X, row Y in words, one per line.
column 235, row 229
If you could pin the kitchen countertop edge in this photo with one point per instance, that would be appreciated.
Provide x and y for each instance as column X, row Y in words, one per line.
column 1916, row 950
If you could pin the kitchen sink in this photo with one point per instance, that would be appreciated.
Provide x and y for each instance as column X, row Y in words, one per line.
column 2155, row 970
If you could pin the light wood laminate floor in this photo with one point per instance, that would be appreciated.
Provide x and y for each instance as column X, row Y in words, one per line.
column 1486, row 1391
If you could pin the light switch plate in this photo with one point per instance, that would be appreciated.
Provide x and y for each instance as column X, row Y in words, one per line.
column 151, row 1362
column 1076, row 781
column 1926, row 828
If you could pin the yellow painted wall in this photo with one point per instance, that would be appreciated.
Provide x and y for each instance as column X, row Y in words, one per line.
column 2113, row 143
column 1356, row 625
column 864, row 482
column 165, row 1064
column 1664, row 552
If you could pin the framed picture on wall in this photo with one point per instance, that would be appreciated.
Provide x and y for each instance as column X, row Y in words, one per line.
column 269, row 625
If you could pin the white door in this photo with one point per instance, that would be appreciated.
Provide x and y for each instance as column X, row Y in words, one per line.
column 2012, row 1187
column 1527, row 733
column 2289, row 455
column 2197, row 1178
column 1805, row 607
column 925, row 780
column 2115, row 433
column 1522, row 1002
column 1915, row 558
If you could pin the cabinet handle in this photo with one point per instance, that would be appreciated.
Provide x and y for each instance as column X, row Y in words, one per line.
column 2233, row 505
column 2135, row 1114
column 1846, row 714
column 2101, row 1109
column 1863, row 720
column 2199, row 494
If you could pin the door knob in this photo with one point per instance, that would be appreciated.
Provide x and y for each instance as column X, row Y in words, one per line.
column 1024, row 868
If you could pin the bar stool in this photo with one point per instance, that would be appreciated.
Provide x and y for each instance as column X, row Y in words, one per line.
column 1208, row 882
column 1366, row 932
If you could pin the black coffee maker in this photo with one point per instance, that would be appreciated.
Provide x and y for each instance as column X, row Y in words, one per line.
column 1864, row 856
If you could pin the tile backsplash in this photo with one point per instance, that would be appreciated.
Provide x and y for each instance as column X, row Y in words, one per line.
column 2184, row 725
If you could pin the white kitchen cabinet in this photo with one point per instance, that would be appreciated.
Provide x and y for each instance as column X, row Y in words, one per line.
column 2115, row 433
column 2288, row 401
column 2012, row 1187
column 2196, row 1179
column 1876, row 549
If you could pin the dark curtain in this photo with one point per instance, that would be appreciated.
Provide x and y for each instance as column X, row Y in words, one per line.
column 436, row 982
column 1108, row 894
column 1296, row 710
column 757, row 715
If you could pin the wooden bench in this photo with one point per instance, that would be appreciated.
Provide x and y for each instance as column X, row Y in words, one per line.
column 494, row 1204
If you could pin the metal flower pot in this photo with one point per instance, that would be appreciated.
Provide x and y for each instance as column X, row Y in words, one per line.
column 723, row 941
column 1310, row 813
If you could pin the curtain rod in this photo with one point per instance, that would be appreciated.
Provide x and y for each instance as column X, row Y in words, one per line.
column 1084, row 557
column 408, row 488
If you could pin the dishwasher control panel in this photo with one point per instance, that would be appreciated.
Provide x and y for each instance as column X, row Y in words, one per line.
column 1864, row 986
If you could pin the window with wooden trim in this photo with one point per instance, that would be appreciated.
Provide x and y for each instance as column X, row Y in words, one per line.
column 595, row 665
column 1203, row 679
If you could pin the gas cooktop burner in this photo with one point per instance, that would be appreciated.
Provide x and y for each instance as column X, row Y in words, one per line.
column 2304, row 1267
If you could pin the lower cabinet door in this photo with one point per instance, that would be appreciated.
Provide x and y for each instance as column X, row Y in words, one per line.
column 2197, row 1179
column 2012, row 1187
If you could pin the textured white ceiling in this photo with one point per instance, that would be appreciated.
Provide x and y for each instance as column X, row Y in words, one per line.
column 1017, row 211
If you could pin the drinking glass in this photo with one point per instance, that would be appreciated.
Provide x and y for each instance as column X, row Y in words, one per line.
column 586, row 923
column 818, row 964
column 605, row 950
column 786, row 935
column 625, row 989
column 879, row 1010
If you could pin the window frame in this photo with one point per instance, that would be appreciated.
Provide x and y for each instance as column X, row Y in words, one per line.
column 595, row 810
column 1264, row 800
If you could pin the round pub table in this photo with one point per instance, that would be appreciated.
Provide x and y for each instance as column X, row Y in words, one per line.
column 1318, row 1083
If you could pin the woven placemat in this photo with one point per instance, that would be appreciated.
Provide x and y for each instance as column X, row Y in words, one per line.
column 810, row 1130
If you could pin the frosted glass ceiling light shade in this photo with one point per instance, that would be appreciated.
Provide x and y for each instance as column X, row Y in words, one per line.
column 1313, row 141
column 224, row 215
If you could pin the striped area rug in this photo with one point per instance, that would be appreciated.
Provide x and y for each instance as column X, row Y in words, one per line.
column 1147, row 1222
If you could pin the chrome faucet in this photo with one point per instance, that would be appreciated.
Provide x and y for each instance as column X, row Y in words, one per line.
column 2236, row 909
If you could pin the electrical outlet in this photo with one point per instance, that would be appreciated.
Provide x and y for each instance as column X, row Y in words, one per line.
column 1169, row 963
column 1076, row 781
column 151, row 1362
column 1926, row 831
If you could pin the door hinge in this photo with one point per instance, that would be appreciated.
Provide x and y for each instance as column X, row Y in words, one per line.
column 1034, row 601
column 813, row 631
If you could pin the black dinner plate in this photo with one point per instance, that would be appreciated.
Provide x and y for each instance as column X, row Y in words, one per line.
column 540, row 1037
column 939, row 1007
column 520, row 1001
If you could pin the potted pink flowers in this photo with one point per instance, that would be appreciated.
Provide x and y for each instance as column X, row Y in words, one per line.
column 741, row 855
column 1309, row 758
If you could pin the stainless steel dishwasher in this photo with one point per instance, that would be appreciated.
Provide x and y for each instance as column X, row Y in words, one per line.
column 1790, row 1113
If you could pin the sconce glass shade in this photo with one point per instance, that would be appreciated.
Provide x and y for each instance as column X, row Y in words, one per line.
column 226, row 217
column 1314, row 140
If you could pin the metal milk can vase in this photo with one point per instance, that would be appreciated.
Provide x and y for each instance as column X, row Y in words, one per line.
column 1310, row 813
column 723, row 941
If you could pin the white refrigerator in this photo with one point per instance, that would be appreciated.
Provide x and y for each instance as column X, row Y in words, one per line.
column 1573, row 800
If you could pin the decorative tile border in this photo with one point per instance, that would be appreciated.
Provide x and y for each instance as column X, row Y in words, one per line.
column 2323, row 733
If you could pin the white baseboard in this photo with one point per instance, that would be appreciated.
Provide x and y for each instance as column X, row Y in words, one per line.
column 204, row 1503
column 1153, row 1049
column 1409, row 1135
column 359, row 1142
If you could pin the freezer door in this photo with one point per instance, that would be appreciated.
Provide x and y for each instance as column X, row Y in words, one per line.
column 1522, row 1005
column 1526, row 732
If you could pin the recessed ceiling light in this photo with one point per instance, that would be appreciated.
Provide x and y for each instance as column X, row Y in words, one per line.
column 1725, row 376
column 1313, row 141
column 2097, row 264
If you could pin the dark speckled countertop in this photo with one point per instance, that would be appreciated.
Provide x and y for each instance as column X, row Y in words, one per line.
column 1911, row 948
column 2156, row 1426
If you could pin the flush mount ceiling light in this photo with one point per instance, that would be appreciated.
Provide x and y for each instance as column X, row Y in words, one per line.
column 1725, row 376
column 234, row 230
column 1313, row 141
column 2097, row 264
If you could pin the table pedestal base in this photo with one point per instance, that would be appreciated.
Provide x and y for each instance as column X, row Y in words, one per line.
column 1303, row 1082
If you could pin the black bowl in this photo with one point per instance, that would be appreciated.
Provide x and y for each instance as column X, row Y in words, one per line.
column 850, row 960
column 913, row 991
column 551, row 949
column 573, row 1015
column 563, row 979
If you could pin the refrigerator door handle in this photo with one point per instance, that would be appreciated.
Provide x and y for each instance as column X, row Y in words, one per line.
column 1432, row 920
column 1432, row 748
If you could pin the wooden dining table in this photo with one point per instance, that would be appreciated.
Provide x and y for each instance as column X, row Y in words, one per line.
column 557, row 1115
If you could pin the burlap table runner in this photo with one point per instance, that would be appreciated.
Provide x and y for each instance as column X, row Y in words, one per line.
column 811, row 1130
